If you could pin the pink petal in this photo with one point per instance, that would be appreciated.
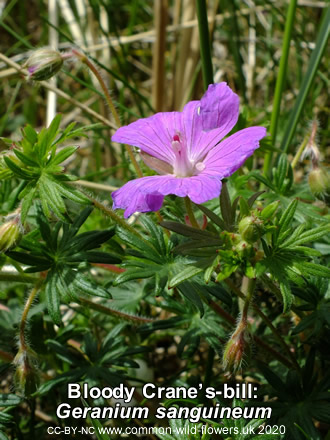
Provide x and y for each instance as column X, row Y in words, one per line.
column 230, row 154
column 207, row 121
column 130, row 198
column 153, row 135
column 146, row 194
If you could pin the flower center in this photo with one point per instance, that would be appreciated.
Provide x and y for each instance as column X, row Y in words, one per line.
column 184, row 166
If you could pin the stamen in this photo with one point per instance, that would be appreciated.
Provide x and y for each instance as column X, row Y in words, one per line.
column 200, row 166
column 176, row 145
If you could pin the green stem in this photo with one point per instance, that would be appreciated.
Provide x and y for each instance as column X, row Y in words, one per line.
column 248, row 285
column 314, row 62
column 84, row 59
column 110, row 213
column 190, row 213
column 204, row 38
column 112, row 312
column 280, row 81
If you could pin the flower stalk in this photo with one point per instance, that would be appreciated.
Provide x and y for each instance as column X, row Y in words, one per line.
column 190, row 213
column 84, row 59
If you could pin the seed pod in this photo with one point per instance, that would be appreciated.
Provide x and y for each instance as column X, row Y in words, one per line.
column 250, row 228
column 43, row 64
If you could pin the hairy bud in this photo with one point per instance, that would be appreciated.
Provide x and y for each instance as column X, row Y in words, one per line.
column 43, row 64
column 26, row 374
column 236, row 349
column 10, row 233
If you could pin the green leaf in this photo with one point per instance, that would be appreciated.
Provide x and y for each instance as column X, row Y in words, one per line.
column 84, row 285
column 53, row 129
column 3, row 436
column 9, row 400
column 29, row 259
column 27, row 202
column 313, row 269
column 286, row 295
column 17, row 170
column 184, row 275
column 131, row 274
column 215, row 218
column 53, row 298
column 62, row 155
column 308, row 236
column 98, row 428
column 281, row 172
column 286, row 218
column 157, row 234
column 30, row 134
column 187, row 231
column 142, row 245
column 25, row 159
column 188, row 290
column 72, row 193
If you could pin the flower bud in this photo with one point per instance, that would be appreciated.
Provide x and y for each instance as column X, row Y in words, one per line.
column 236, row 349
column 269, row 210
column 43, row 64
column 319, row 182
column 250, row 228
column 10, row 233
column 26, row 374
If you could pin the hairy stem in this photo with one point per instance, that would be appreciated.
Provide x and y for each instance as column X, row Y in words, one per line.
column 84, row 59
column 26, row 310
column 110, row 213
column 113, row 312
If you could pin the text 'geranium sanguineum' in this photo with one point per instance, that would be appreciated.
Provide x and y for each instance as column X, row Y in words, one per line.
column 185, row 149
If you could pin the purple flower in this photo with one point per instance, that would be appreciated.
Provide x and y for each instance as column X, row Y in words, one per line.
column 185, row 149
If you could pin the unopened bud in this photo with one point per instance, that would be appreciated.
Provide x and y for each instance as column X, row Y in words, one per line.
column 10, row 233
column 250, row 228
column 236, row 349
column 319, row 183
column 43, row 64
column 26, row 374
column 269, row 210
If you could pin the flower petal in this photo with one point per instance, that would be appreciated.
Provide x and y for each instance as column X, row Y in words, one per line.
column 230, row 154
column 146, row 194
column 130, row 198
column 154, row 135
column 207, row 121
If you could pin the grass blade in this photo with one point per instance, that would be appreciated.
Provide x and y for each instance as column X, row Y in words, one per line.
column 280, row 80
column 314, row 62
